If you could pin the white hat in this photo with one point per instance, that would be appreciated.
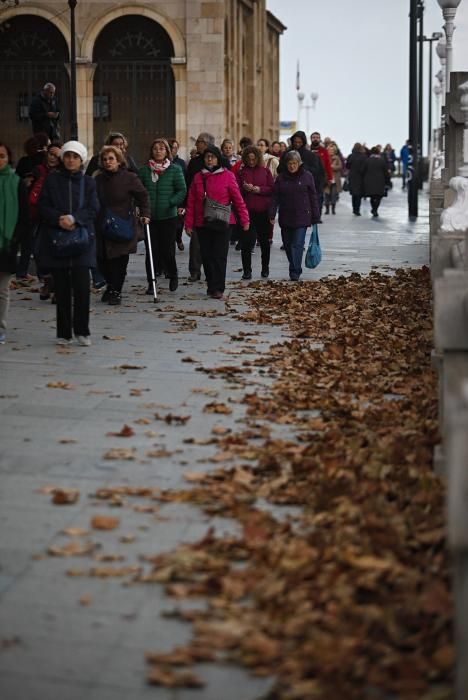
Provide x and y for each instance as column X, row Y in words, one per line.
column 74, row 147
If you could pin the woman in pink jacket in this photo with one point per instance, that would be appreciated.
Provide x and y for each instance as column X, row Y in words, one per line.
column 220, row 185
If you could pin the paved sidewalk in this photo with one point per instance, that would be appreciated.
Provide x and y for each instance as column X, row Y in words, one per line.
column 65, row 637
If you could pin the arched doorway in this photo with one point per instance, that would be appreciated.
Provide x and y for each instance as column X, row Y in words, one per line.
column 32, row 52
column 134, row 83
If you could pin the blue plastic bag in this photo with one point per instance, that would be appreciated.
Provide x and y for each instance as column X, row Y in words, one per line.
column 314, row 252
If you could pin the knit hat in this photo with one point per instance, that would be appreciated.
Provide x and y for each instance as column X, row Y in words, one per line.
column 211, row 148
column 74, row 147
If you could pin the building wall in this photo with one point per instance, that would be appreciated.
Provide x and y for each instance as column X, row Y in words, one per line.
column 225, row 62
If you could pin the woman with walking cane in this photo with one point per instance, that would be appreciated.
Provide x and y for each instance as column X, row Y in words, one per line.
column 166, row 187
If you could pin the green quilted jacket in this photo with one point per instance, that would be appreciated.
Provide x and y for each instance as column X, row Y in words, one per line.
column 167, row 193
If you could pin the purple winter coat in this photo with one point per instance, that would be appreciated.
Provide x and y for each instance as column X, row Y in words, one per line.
column 296, row 198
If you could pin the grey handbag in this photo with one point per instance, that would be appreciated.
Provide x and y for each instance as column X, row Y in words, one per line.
column 215, row 215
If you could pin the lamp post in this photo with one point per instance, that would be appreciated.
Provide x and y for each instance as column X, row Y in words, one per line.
column 413, row 112
column 435, row 37
column 420, row 76
column 300, row 100
column 449, row 10
column 73, row 109
column 441, row 51
column 438, row 93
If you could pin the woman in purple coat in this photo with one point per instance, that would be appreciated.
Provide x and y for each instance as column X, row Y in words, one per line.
column 295, row 198
column 256, row 185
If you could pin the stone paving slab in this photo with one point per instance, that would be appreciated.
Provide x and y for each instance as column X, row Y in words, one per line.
column 67, row 650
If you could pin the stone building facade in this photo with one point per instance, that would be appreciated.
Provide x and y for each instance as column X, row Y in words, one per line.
column 162, row 68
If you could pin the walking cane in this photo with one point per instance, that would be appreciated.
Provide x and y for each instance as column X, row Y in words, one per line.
column 150, row 253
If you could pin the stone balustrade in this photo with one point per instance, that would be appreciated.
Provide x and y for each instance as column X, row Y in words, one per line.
column 449, row 268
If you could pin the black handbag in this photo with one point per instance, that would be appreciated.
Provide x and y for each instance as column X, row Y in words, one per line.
column 216, row 216
column 71, row 244
column 117, row 229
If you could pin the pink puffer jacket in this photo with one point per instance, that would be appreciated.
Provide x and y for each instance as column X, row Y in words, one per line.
column 221, row 186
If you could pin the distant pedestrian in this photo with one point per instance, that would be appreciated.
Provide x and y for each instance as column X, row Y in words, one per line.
column 256, row 186
column 44, row 112
column 376, row 179
column 119, row 191
column 404, row 159
column 275, row 149
column 295, row 199
column 271, row 162
column 14, row 224
column 113, row 138
column 355, row 167
column 220, row 185
column 68, row 199
column 333, row 188
column 195, row 165
column 166, row 187
column 227, row 149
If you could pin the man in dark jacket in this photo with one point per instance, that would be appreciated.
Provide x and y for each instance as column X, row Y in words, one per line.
column 310, row 161
column 44, row 112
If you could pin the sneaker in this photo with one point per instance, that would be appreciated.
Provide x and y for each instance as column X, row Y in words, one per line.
column 194, row 277
column 173, row 284
column 247, row 276
column 83, row 340
column 63, row 341
column 99, row 285
column 114, row 299
column 265, row 272
column 180, row 245
column 106, row 296
column 238, row 245
column 217, row 295
column 2, row 338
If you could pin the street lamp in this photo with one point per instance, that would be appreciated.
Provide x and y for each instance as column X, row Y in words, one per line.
column 73, row 109
column 435, row 37
column 314, row 97
column 300, row 100
column 449, row 10
column 413, row 169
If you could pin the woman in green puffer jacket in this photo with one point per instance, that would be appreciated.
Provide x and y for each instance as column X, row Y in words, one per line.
column 166, row 187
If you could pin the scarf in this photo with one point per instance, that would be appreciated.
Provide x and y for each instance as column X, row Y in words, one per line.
column 9, row 209
column 158, row 168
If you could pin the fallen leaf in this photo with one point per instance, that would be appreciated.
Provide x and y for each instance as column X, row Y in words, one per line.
column 120, row 453
column 214, row 407
column 62, row 497
column 125, row 432
column 104, row 522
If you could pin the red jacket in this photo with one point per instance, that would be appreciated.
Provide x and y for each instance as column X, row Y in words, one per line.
column 221, row 185
column 325, row 157
column 260, row 177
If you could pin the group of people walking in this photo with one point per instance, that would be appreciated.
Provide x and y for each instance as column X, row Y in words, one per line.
column 220, row 196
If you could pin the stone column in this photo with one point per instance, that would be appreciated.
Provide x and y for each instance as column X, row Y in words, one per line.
column 180, row 76
column 85, row 101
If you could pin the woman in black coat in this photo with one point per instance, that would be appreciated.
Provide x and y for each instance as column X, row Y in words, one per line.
column 355, row 166
column 376, row 179
column 14, row 226
column 60, row 208
column 118, row 191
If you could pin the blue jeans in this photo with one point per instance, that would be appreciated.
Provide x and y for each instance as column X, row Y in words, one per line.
column 294, row 241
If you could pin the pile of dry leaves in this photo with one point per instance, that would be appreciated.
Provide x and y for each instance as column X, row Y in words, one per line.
column 350, row 598
column 347, row 596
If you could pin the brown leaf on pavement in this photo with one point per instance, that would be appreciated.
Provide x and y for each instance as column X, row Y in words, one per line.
column 60, row 385
column 125, row 432
column 104, row 522
column 120, row 453
column 170, row 679
column 65, row 497
column 215, row 407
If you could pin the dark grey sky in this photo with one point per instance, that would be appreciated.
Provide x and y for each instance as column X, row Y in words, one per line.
column 354, row 53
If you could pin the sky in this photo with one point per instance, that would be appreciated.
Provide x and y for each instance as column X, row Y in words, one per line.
column 355, row 55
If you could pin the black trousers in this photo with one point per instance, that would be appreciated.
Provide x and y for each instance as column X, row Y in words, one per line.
column 114, row 271
column 375, row 202
column 214, row 247
column 72, row 285
column 195, row 259
column 259, row 230
column 163, row 240
column 356, row 200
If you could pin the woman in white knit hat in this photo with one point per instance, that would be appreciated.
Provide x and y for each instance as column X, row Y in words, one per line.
column 68, row 202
